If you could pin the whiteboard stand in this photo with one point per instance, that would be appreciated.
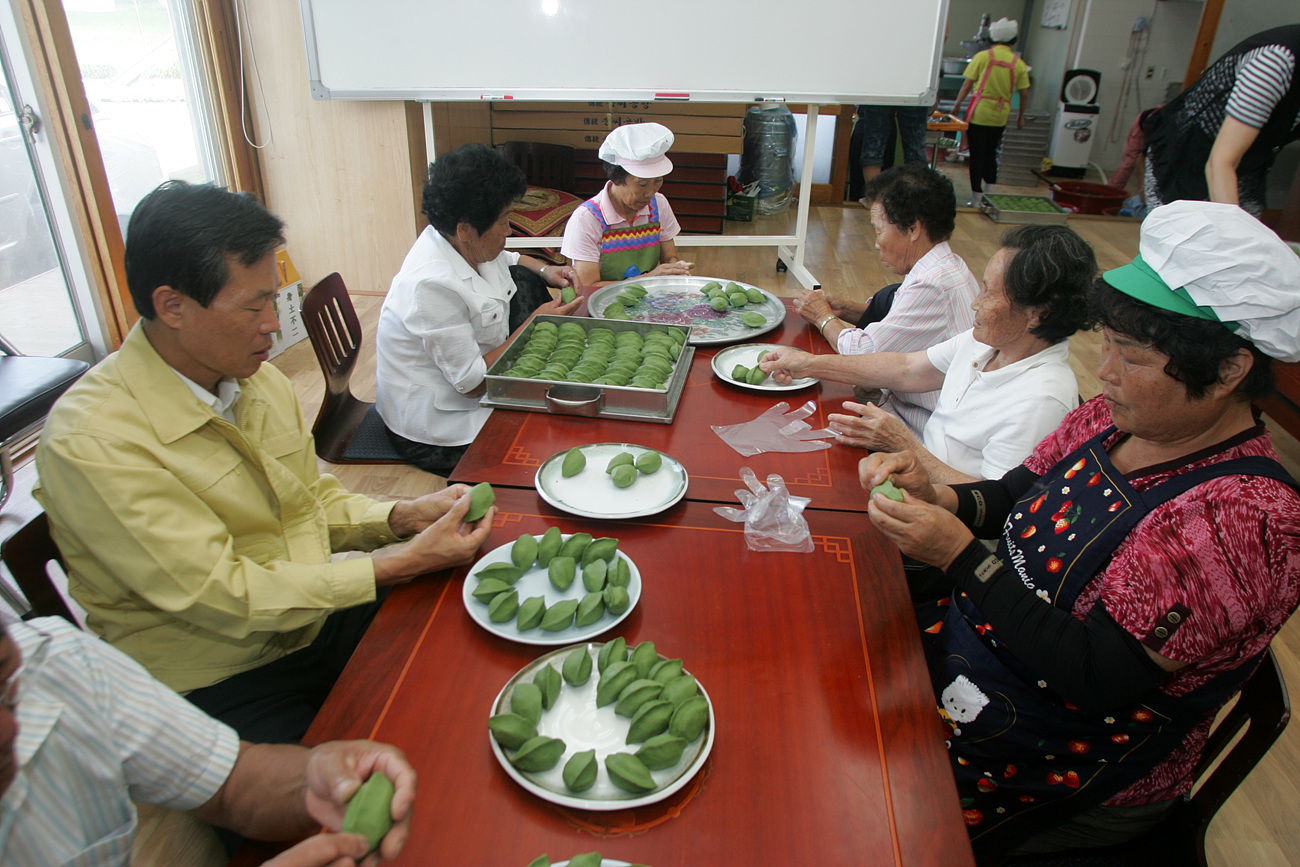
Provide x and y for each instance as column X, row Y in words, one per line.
column 790, row 248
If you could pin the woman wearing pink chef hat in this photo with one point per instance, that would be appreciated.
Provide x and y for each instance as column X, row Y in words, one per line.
column 627, row 229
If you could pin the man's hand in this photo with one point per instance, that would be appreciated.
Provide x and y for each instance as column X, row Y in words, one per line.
column 870, row 427
column 326, row 850
column 411, row 516
column 447, row 542
column 785, row 362
column 335, row 771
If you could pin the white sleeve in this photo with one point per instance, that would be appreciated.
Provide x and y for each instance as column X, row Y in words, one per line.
column 942, row 354
column 446, row 329
column 1022, row 428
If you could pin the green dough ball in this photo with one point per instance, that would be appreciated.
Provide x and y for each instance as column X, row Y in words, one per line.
column 889, row 489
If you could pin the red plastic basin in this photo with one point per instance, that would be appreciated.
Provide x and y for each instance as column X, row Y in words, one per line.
column 1089, row 198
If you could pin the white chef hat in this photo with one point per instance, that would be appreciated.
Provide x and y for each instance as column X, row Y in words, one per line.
column 639, row 148
column 1004, row 30
column 1217, row 262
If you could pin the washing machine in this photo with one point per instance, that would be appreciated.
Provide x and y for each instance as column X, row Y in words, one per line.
column 1077, row 121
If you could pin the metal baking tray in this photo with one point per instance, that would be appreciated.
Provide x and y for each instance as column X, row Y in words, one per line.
column 997, row 209
column 590, row 400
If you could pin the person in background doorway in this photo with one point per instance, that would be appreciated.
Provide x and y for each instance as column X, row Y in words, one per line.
column 1216, row 140
column 992, row 77
column 627, row 229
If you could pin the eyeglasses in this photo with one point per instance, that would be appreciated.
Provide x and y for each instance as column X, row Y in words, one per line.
column 12, row 690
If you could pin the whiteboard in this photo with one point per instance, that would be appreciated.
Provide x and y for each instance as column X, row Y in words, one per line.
column 805, row 51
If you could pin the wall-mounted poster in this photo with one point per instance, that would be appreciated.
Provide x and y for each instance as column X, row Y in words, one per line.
column 1056, row 14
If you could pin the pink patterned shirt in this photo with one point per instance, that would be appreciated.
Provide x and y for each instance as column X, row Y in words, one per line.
column 1228, row 550
column 931, row 305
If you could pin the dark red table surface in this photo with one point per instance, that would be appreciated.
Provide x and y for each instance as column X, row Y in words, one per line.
column 828, row 749
column 514, row 443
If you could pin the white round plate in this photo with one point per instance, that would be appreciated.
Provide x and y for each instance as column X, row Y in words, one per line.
column 535, row 582
column 575, row 719
column 747, row 354
column 593, row 494
column 678, row 301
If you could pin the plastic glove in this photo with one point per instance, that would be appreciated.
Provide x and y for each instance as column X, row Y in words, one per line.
column 776, row 431
column 773, row 519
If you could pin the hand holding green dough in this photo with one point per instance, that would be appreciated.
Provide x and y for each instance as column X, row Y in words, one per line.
column 889, row 489
column 369, row 811
column 481, row 499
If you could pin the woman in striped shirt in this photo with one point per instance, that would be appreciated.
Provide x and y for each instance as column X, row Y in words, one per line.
column 1216, row 140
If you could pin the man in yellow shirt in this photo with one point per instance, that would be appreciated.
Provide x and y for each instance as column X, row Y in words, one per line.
column 182, row 488
column 995, row 74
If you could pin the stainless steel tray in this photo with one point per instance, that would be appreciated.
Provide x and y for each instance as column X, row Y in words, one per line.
column 678, row 301
column 592, row 401
column 1057, row 215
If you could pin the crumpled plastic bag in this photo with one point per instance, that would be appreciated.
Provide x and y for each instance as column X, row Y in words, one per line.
column 773, row 518
column 776, row 430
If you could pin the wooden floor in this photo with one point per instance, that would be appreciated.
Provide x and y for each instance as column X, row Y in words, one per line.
column 1251, row 829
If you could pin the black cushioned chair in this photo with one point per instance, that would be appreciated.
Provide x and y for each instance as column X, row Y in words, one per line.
column 29, row 386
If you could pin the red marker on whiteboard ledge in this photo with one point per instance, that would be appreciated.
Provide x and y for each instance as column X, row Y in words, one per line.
column 672, row 96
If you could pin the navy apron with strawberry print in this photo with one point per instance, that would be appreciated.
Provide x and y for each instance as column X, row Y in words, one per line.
column 1024, row 758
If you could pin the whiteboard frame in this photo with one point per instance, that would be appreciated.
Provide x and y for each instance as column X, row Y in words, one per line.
column 790, row 247
column 624, row 94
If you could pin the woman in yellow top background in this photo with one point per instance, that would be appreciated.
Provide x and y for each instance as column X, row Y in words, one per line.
column 994, row 74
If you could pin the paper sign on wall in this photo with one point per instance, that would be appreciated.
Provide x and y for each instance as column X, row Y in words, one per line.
column 288, row 306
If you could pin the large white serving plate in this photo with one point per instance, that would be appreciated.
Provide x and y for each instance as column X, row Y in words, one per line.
column 677, row 300
column 593, row 494
column 747, row 354
column 575, row 719
column 535, row 582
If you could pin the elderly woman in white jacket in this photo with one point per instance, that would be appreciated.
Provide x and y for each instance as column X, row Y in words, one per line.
column 454, row 304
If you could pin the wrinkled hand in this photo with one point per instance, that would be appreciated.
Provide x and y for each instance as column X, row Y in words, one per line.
column 326, row 850
column 776, row 430
column 555, row 307
column 558, row 276
column 903, row 467
column 785, row 362
column 665, row 269
column 870, row 427
column 445, row 543
column 922, row 531
column 335, row 770
column 814, row 305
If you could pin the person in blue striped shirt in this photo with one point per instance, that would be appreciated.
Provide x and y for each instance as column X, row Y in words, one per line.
column 84, row 730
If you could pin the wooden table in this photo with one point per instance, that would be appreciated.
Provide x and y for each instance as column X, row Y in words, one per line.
column 514, row 443
column 828, row 750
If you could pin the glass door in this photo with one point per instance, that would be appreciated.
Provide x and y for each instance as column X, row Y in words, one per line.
column 42, row 292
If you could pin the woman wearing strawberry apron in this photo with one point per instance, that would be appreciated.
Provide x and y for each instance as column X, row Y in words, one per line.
column 1148, row 551
column 995, row 74
column 627, row 229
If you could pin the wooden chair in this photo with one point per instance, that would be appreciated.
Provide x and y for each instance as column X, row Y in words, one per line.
column 544, row 165
column 27, row 553
column 1263, row 710
column 335, row 334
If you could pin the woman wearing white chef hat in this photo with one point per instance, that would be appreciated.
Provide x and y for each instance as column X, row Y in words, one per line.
column 1148, row 550
column 995, row 75
column 627, row 229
